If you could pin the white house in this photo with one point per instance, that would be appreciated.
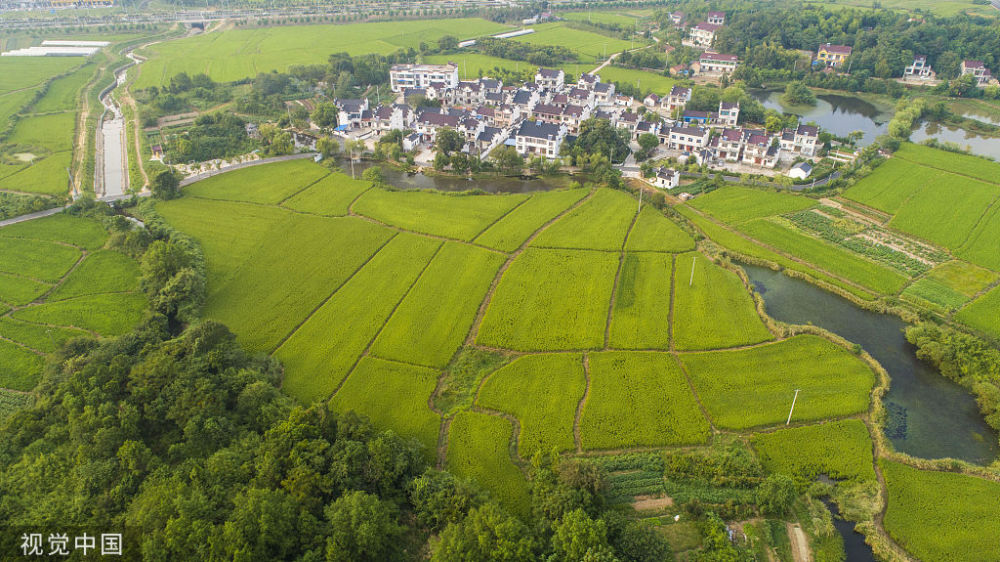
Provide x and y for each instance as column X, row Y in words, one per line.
column 688, row 139
column 717, row 63
column 800, row 171
column 403, row 76
column 717, row 18
column 919, row 68
column 703, row 34
column 677, row 99
column 666, row 178
column 539, row 139
column 977, row 69
column 548, row 78
column 729, row 113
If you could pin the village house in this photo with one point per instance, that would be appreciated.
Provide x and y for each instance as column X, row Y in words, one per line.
column 760, row 150
column 801, row 141
column 551, row 79
column 833, row 56
column 525, row 100
column 392, row 117
column 729, row 113
column 468, row 94
column 539, row 139
column 588, row 80
column 687, row 139
column 919, row 68
column 677, row 18
column 800, row 171
column 728, row 145
column 665, row 178
column 716, row 18
column 403, row 76
column 703, row 34
column 429, row 121
column 977, row 69
column 604, row 93
column 717, row 63
column 350, row 112
column 652, row 100
column 580, row 96
column 627, row 120
column 699, row 117
column 677, row 99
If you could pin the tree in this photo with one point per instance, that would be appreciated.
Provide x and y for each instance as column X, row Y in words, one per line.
column 507, row 160
column 776, row 494
column 328, row 147
column 487, row 534
column 374, row 175
column 448, row 43
column 165, row 185
column 325, row 114
column 578, row 537
column 648, row 141
column 439, row 498
column 599, row 137
column 441, row 161
column 448, row 140
column 363, row 527
column 797, row 93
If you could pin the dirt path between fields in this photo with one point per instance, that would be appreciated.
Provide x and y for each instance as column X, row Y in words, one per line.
column 800, row 545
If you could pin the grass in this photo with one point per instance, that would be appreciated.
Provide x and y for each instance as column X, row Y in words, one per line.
column 11, row 402
column 754, row 387
column 715, row 309
column 980, row 248
column 268, row 184
column 330, row 196
column 620, row 18
column 588, row 45
column 942, row 515
column 601, row 223
column 105, row 271
column 637, row 400
column 434, row 318
column 53, row 131
column 19, row 368
column 963, row 277
column 460, row 381
column 461, row 217
column 83, row 232
column 542, row 392
column 841, row 450
column 242, row 53
column 981, row 313
column 289, row 274
column 46, row 175
column 551, row 300
column 321, row 352
column 20, row 290
column 654, row 232
column 735, row 204
column 45, row 261
column 395, row 397
column 644, row 80
column 743, row 246
column 510, row 232
column 477, row 449
column 640, row 319
column 827, row 256
column 107, row 314
column 64, row 93
column 471, row 64
column 17, row 73
column 37, row 336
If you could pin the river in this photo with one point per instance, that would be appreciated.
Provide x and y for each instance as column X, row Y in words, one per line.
column 490, row 184
column 843, row 114
column 929, row 416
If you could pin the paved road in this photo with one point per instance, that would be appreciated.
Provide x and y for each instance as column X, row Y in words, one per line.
column 31, row 216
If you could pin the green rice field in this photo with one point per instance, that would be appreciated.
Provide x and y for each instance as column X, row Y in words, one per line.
column 755, row 387
column 735, row 204
column 477, row 449
column 588, row 45
column 841, row 450
column 640, row 318
column 600, row 223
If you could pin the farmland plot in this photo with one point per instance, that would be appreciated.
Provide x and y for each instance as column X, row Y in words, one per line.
column 329, row 196
column 981, row 313
column 551, row 300
column 890, row 185
column 654, row 232
column 734, row 204
column 640, row 319
column 271, row 183
column 841, row 450
column 449, row 215
column 321, row 352
column 434, row 318
column 45, row 175
column 104, row 271
column 712, row 307
column 19, row 367
column 942, row 515
column 45, row 261
column 981, row 247
column 107, row 314
column 973, row 166
column 601, row 223
column 591, row 46
column 542, row 392
column 511, row 231
column 20, row 290
column 86, row 233
column 639, row 399
column 946, row 209
column 39, row 337
column 395, row 397
column 755, row 387
column 477, row 449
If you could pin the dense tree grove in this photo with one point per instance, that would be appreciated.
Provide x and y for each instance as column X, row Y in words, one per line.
column 214, row 135
column 542, row 55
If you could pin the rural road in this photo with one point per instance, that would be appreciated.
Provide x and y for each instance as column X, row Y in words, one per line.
column 31, row 216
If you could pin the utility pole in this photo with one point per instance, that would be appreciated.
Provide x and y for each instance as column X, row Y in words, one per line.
column 693, row 261
column 793, row 407
column 639, row 210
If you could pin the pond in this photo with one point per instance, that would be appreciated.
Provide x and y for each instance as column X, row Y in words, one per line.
column 498, row 184
column 976, row 144
column 838, row 114
column 929, row 416
column 855, row 547
column 844, row 114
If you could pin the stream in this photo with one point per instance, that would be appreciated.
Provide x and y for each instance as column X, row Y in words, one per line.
column 111, row 181
column 928, row 416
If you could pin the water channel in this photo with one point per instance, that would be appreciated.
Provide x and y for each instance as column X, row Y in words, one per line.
column 843, row 114
column 929, row 416
column 855, row 547
column 497, row 184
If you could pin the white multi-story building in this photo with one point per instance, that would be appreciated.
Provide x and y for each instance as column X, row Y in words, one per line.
column 689, row 139
column 539, row 139
column 666, row 178
column 403, row 76
column 801, row 141
column 717, row 18
column 703, row 34
column 676, row 99
column 919, row 68
column 717, row 63
column 551, row 79
column 977, row 69
column 729, row 113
